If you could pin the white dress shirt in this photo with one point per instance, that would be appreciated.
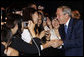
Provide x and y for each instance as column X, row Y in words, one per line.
column 26, row 36
column 67, row 23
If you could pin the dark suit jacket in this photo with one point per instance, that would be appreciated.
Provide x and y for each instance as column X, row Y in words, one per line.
column 73, row 42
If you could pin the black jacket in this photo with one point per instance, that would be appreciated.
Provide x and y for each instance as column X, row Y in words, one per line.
column 23, row 47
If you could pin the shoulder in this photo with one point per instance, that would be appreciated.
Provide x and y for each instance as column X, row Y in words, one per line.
column 76, row 22
column 78, row 25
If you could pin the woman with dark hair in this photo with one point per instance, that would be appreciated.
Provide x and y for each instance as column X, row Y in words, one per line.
column 11, row 38
column 28, row 43
column 8, row 32
column 32, row 5
column 40, row 28
column 30, row 15
column 40, row 22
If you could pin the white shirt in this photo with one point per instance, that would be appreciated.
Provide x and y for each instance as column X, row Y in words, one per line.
column 53, row 35
column 26, row 36
column 67, row 23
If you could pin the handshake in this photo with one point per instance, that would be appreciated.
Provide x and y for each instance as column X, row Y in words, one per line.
column 55, row 43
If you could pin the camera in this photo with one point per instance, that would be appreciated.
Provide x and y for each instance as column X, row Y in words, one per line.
column 25, row 24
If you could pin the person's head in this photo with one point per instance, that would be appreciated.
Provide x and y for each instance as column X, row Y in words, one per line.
column 39, row 18
column 13, row 25
column 55, row 23
column 14, row 22
column 30, row 14
column 75, row 14
column 63, row 14
column 32, row 5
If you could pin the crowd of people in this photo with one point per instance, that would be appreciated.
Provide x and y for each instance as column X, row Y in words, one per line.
column 32, row 32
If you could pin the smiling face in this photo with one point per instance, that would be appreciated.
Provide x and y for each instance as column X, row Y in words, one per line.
column 55, row 24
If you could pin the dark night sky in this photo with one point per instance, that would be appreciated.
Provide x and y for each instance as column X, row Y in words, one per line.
column 50, row 5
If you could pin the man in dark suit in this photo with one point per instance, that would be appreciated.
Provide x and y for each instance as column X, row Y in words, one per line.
column 72, row 37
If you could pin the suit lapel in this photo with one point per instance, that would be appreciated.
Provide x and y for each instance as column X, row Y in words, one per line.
column 69, row 31
column 70, row 28
column 61, row 31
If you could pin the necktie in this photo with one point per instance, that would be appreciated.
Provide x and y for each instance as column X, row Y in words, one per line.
column 66, row 27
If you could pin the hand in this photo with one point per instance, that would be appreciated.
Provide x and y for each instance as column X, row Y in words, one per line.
column 52, row 43
column 56, row 43
column 48, row 35
column 4, row 43
column 31, row 25
column 47, row 44
column 11, row 52
column 42, row 34
column 55, row 23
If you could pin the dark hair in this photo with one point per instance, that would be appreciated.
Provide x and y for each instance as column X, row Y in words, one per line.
column 30, row 5
column 13, row 19
column 6, row 34
column 27, row 13
column 40, row 28
column 39, row 13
